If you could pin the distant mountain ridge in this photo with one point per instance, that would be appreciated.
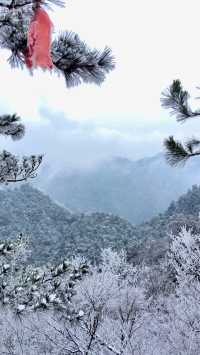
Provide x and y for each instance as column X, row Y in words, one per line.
column 134, row 190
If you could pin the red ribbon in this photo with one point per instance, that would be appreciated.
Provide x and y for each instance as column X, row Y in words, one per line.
column 38, row 52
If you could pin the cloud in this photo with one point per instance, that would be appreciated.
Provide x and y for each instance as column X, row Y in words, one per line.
column 123, row 117
column 82, row 144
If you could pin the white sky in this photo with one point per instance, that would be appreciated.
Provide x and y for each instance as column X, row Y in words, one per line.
column 153, row 41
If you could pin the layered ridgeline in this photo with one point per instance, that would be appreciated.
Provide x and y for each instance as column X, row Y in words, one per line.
column 57, row 233
column 136, row 191
column 54, row 232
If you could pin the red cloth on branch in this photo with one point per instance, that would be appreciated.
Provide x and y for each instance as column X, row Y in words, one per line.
column 39, row 41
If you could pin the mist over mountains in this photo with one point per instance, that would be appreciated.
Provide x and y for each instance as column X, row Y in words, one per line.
column 120, row 204
column 56, row 233
column 134, row 190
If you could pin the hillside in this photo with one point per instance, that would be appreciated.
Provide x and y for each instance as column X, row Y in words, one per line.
column 154, row 234
column 54, row 231
column 188, row 203
column 134, row 190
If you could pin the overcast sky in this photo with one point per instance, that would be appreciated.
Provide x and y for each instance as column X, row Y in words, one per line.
column 153, row 41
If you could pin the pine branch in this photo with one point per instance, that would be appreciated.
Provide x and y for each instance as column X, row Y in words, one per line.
column 70, row 55
column 177, row 153
column 16, row 4
column 11, row 168
column 10, row 126
column 13, row 34
column 14, row 170
column 191, row 144
column 78, row 63
column 176, row 99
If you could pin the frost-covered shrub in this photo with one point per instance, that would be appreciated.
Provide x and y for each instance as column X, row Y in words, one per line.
column 26, row 288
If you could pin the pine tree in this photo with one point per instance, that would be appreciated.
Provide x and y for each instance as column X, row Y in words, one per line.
column 70, row 56
column 176, row 99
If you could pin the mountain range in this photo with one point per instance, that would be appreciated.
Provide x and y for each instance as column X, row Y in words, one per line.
column 134, row 190
column 57, row 233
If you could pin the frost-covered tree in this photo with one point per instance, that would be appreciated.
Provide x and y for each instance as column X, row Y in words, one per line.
column 176, row 99
column 69, row 308
column 114, row 311
column 175, row 319
column 184, row 255
column 112, row 300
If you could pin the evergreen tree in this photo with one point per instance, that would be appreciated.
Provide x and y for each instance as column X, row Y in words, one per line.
column 176, row 99
column 70, row 56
